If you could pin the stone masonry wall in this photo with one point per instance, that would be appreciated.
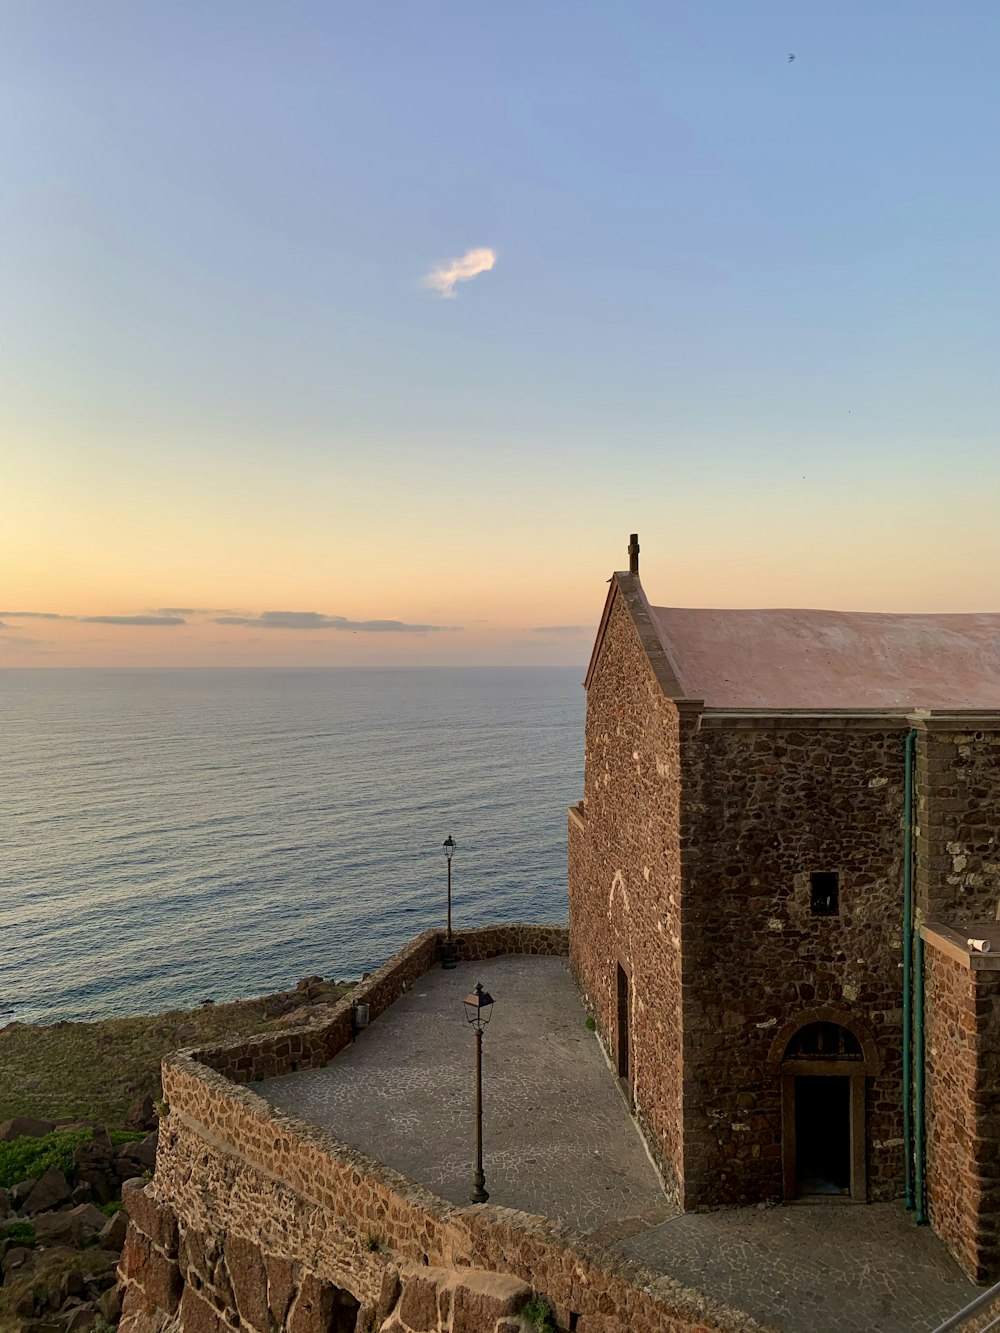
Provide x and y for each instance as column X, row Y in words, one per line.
column 201, row 1278
column 958, row 820
column 257, row 1220
column 950, row 1023
column 764, row 804
column 246, row 1059
column 962, row 1093
column 624, row 879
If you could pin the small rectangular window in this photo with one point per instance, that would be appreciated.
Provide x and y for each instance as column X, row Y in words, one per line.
column 825, row 889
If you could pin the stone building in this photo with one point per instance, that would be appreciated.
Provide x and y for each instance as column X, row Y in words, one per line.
column 784, row 880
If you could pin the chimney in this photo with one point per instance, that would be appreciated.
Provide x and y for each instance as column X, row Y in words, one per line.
column 633, row 554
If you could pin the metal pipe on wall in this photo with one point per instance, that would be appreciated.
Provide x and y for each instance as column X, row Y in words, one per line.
column 908, row 1153
column 920, row 1182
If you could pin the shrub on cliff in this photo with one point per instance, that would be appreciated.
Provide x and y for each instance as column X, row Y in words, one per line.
column 27, row 1159
column 19, row 1233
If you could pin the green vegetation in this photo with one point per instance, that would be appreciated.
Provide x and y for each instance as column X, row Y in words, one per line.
column 371, row 1244
column 539, row 1315
column 27, row 1159
column 19, row 1233
column 591, row 1024
column 95, row 1071
column 109, row 1209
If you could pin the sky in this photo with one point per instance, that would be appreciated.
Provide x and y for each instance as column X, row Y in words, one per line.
column 361, row 335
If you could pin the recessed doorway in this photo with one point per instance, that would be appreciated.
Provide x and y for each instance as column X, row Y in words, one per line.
column 822, row 1136
column 824, row 1066
column 624, row 1071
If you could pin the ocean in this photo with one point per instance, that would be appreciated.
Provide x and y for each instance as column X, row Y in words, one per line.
column 173, row 836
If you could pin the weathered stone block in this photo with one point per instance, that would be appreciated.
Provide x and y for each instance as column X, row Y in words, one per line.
column 313, row 1308
column 161, row 1280
column 280, row 1287
column 135, row 1254
column 248, row 1278
column 480, row 1299
column 419, row 1307
column 155, row 1219
column 197, row 1316
column 388, row 1296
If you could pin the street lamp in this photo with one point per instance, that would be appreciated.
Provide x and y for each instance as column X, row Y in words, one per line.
column 478, row 1007
column 448, row 956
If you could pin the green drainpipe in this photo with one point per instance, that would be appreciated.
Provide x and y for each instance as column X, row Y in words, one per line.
column 913, row 1017
column 908, row 1153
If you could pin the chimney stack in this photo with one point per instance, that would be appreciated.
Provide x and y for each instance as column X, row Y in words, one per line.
column 633, row 554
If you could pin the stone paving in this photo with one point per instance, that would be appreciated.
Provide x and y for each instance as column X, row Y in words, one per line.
column 559, row 1141
column 813, row 1268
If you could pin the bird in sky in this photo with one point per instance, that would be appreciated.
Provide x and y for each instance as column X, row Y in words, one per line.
column 791, row 57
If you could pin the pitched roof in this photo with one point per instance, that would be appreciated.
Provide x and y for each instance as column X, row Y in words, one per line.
column 833, row 659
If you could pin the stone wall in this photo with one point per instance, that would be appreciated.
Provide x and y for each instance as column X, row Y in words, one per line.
column 245, row 1060
column 765, row 802
column 958, row 818
column 962, row 1097
column 257, row 1220
column 624, row 877
column 210, row 1280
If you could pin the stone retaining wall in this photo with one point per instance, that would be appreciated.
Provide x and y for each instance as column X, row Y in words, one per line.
column 247, row 1059
column 255, row 1219
column 962, row 1044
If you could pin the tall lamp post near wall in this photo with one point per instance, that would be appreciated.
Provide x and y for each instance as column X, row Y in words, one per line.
column 448, row 955
column 478, row 1007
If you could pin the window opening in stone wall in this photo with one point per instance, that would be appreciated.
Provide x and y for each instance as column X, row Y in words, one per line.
column 824, row 1041
column 824, row 887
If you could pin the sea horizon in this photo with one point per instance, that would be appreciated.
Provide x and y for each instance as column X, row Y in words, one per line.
column 178, row 834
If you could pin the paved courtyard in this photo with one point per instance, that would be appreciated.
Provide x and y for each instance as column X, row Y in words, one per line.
column 813, row 1268
column 559, row 1141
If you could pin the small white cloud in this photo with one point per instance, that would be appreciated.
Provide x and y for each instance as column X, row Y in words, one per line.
column 442, row 279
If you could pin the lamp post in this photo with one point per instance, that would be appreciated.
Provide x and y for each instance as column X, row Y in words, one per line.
column 448, row 955
column 478, row 1007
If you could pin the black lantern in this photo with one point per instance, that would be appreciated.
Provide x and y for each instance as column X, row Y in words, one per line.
column 479, row 1006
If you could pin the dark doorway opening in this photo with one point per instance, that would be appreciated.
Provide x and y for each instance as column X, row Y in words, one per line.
column 822, row 1135
column 623, row 1054
column 344, row 1315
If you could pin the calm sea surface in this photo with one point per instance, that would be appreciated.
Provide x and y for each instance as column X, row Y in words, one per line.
column 168, row 836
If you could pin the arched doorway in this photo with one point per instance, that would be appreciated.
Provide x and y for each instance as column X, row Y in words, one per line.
column 824, row 1060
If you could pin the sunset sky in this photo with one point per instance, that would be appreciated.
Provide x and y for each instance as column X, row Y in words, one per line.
column 365, row 334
